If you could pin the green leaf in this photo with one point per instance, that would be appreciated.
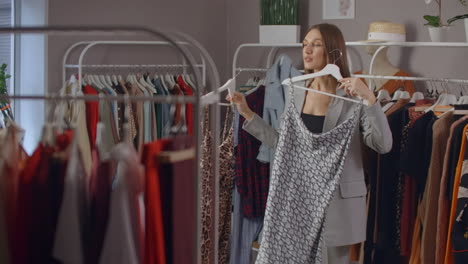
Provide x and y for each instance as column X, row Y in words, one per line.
column 455, row 18
column 432, row 20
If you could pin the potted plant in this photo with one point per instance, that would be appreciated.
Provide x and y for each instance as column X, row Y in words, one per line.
column 464, row 17
column 279, row 21
column 437, row 30
column 5, row 107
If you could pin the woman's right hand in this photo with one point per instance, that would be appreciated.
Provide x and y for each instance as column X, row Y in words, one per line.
column 239, row 100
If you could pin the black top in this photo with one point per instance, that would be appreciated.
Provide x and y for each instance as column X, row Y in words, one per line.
column 313, row 122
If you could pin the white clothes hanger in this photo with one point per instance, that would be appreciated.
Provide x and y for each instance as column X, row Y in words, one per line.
column 444, row 99
column 463, row 100
column 416, row 96
column 103, row 80
column 324, row 93
column 188, row 79
column 145, row 84
column 396, row 95
column 329, row 69
column 98, row 82
column 109, row 80
column 169, row 79
column 383, row 95
column 404, row 95
column 115, row 81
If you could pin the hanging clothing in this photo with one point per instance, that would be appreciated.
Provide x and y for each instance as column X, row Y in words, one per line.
column 99, row 193
column 275, row 99
column 449, row 257
column 306, row 171
column 385, row 248
column 124, row 230
column 244, row 232
column 188, row 91
column 443, row 213
column 393, row 85
column 460, row 224
column 92, row 115
column 154, row 239
column 68, row 247
column 252, row 176
column 429, row 205
column 111, row 137
column 349, row 200
column 12, row 161
column 226, row 182
column 207, row 194
column 177, row 197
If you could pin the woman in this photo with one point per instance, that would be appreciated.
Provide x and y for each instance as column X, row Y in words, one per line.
column 345, row 218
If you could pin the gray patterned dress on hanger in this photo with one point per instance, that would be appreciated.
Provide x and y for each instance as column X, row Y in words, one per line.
column 306, row 171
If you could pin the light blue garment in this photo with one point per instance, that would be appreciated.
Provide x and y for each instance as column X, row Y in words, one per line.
column 275, row 99
column 166, row 118
column 235, row 126
column 114, row 108
column 244, row 232
column 147, row 135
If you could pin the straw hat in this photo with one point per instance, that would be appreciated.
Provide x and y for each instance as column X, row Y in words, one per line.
column 386, row 31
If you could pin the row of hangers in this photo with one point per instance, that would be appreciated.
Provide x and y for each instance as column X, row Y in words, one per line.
column 143, row 80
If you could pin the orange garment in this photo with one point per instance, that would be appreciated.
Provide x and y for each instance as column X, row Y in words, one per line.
column 154, row 238
column 416, row 243
column 453, row 207
column 354, row 252
column 392, row 85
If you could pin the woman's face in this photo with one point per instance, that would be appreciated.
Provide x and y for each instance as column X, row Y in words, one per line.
column 313, row 51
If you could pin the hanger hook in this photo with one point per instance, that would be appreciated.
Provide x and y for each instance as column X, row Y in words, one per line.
column 341, row 54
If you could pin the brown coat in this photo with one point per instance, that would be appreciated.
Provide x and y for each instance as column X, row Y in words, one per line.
column 429, row 205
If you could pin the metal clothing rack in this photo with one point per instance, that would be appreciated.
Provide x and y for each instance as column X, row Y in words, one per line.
column 89, row 44
column 275, row 47
column 195, row 100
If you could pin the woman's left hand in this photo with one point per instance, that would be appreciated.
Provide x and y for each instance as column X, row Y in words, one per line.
column 356, row 87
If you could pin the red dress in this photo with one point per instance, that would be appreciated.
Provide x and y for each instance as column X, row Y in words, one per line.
column 92, row 115
column 189, row 107
column 154, row 238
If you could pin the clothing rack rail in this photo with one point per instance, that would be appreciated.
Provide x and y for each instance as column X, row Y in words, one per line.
column 89, row 44
column 383, row 45
column 118, row 98
column 187, row 56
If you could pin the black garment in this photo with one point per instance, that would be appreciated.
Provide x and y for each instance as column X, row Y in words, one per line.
column 455, row 146
column 385, row 250
column 178, row 208
column 314, row 123
column 415, row 159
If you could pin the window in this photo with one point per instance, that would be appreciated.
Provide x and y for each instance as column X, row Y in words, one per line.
column 6, row 41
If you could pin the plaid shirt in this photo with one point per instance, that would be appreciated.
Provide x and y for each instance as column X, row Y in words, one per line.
column 252, row 176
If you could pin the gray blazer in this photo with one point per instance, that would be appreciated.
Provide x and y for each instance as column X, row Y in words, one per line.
column 346, row 216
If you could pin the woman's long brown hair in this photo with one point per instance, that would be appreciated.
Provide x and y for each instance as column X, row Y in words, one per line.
column 334, row 42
